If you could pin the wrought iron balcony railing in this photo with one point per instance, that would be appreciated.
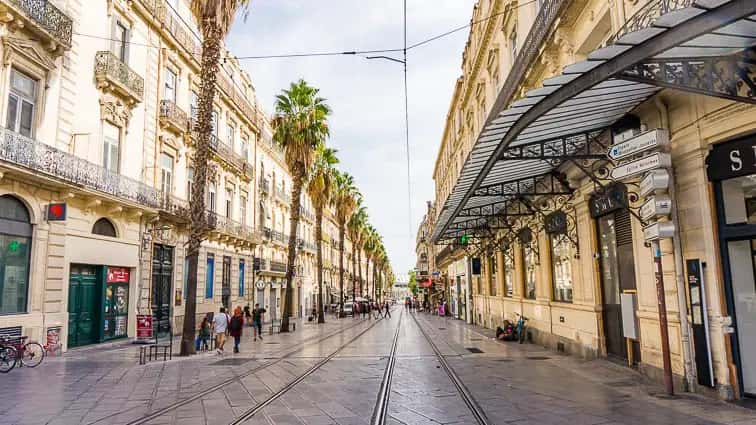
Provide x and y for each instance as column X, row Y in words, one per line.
column 230, row 227
column 184, row 38
column 40, row 158
column 646, row 15
column 278, row 266
column 279, row 237
column 306, row 214
column 282, row 195
column 227, row 154
column 173, row 117
column 111, row 73
column 264, row 186
column 45, row 18
column 175, row 206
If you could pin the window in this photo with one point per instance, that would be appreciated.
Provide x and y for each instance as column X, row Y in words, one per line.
column 215, row 124
column 111, row 139
column 104, row 227
column 241, row 278
column 211, row 197
column 120, row 41
column 21, row 103
column 530, row 257
column 243, row 209
column 193, row 99
column 561, row 261
column 209, row 276
column 229, row 202
column 169, row 91
column 15, row 251
column 509, row 267
column 189, row 182
column 493, row 265
column 230, row 133
column 244, row 148
column 166, row 174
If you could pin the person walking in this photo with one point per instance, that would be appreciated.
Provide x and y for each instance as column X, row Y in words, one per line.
column 204, row 334
column 220, row 325
column 257, row 319
column 236, row 326
column 388, row 310
column 247, row 315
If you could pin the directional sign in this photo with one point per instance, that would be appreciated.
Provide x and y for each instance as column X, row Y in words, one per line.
column 656, row 206
column 659, row 230
column 647, row 163
column 648, row 140
column 654, row 181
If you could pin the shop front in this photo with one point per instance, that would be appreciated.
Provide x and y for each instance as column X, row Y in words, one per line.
column 98, row 304
column 731, row 167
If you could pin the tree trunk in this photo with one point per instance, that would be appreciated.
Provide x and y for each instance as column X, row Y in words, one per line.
column 359, row 269
column 210, row 57
column 341, row 267
column 296, row 192
column 367, row 274
column 354, row 270
column 319, row 241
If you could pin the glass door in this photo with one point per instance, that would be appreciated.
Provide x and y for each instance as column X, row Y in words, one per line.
column 742, row 257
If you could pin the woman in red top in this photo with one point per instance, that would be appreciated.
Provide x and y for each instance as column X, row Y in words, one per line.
column 235, row 327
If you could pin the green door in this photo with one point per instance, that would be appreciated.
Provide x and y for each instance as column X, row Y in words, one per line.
column 84, row 304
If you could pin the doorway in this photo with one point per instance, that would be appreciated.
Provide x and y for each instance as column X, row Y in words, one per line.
column 84, row 305
column 742, row 259
column 617, row 267
column 162, row 276
column 226, row 283
column 273, row 303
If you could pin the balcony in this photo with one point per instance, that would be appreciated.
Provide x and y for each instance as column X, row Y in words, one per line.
column 113, row 75
column 307, row 246
column 173, row 118
column 306, row 214
column 282, row 196
column 264, row 186
column 278, row 266
column 175, row 206
column 279, row 237
column 646, row 15
column 227, row 87
column 165, row 19
column 53, row 26
column 42, row 159
column 231, row 229
column 228, row 156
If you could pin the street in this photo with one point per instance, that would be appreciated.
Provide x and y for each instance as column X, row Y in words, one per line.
column 333, row 374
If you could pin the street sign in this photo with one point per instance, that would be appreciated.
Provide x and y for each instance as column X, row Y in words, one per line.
column 657, row 180
column 648, row 140
column 647, row 163
column 656, row 206
column 659, row 230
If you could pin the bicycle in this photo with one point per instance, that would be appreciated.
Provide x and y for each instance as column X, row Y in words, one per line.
column 29, row 354
column 520, row 327
column 7, row 357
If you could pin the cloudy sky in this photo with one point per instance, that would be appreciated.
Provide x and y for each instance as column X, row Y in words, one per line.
column 367, row 126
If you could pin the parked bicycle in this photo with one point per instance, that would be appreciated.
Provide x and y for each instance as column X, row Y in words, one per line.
column 8, row 356
column 28, row 353
column 520, row 327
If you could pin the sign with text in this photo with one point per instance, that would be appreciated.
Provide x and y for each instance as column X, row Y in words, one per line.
column 732, row 159
column 639, row 166
column 611, row 198
column 656, row 206
column 144, row 326
column 660, row 230
column 657, row 180
column 118, row 275
column 648, row 140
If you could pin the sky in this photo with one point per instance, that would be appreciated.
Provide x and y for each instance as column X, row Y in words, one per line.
column 366, row 96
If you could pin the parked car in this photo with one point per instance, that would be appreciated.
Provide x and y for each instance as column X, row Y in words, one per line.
column 348, row 310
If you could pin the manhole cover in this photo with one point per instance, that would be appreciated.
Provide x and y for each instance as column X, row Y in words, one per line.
column 231, row 362
column 474, row 350
column 537, row 358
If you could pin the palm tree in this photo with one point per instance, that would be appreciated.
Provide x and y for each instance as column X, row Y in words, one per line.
column 370, row 246
column 214, row 18
column 299, row 127
column 320, row 188
column 344, row 202
column 354, row 229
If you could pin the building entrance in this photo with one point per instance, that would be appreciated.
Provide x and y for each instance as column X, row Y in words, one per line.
column 162, row 275
column 84, row 305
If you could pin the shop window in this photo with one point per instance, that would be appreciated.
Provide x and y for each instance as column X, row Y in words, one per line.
column 242, row 266
column 15, row 251
column 21, row 104
column 509, row 268
column 104, row 227
column 739, row 196
column 562, row 252
column 111, row 142
column 209, row 276
column 530, row 261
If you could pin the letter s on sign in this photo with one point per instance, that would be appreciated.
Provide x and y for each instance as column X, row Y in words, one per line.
column 735, row 162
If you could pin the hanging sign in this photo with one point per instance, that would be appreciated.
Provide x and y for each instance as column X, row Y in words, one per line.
column 656, row 206
column 654, row 181
column 639, row 166
column 118, row 275
column 260, row 284
column 652, row 139
column 732, row 159
column 659, row 230
column 556, row 223
column 611, row 198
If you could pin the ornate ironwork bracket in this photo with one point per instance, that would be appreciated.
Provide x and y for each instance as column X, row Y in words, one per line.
column 529, row 241
column 584, row 145
column 506, row 207
column 730, row 77
column 552, row 183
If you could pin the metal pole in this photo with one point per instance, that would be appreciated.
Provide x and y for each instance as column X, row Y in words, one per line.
column 662, row 306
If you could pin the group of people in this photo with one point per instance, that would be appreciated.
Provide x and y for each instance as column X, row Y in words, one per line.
column 372, row 309
column 223, row 324
column 413, row 304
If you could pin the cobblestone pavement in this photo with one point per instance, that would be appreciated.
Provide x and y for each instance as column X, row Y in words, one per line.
column 512, row 383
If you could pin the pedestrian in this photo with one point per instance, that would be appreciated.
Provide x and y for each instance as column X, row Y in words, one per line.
column 220, row 326
column 388, row 311
column 257, row 319
column 426, row 305
column 236, row 326
column 247, row 315
column 204, row 333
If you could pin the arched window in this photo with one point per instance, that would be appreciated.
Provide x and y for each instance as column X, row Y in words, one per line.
column 15, row 252
column 104, row 227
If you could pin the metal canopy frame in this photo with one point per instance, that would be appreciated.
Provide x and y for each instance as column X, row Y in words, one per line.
column 551, row 183
column 702, row 39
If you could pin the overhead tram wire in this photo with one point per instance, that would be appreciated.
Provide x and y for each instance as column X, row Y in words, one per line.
column 406, row 130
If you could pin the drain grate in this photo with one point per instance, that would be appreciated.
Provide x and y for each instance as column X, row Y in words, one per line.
column 231, row 362
column 474, row 350
column 476, row 339
column 271, row 343
column 537, row 358
column 442, row 329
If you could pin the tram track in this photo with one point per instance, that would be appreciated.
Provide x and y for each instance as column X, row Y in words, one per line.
column 467, row 397
column 380, row 412
column 284, row 354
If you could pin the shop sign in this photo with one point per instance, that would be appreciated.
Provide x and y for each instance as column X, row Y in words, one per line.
column 118, row 275
column 612, row 198
column 646, row 141
column 660, row 230
column 639, row 166
column 732, row 159
column 657, row 180
column 556, row 223
column 56, row 211
column 656, row 206
column 144, row 326
column 260, row 284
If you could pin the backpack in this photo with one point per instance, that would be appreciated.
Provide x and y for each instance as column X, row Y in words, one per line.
column 236, row 323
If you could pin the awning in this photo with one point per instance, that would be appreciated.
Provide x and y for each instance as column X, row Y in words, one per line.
column 705, row 47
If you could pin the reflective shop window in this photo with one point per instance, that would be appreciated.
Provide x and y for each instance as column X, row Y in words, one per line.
column 739, row 195
column 509, row 268
column 562, row 253
column 531, row 263
column 15, row 252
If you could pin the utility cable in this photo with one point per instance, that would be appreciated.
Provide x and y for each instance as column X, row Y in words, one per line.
column 406, row 129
